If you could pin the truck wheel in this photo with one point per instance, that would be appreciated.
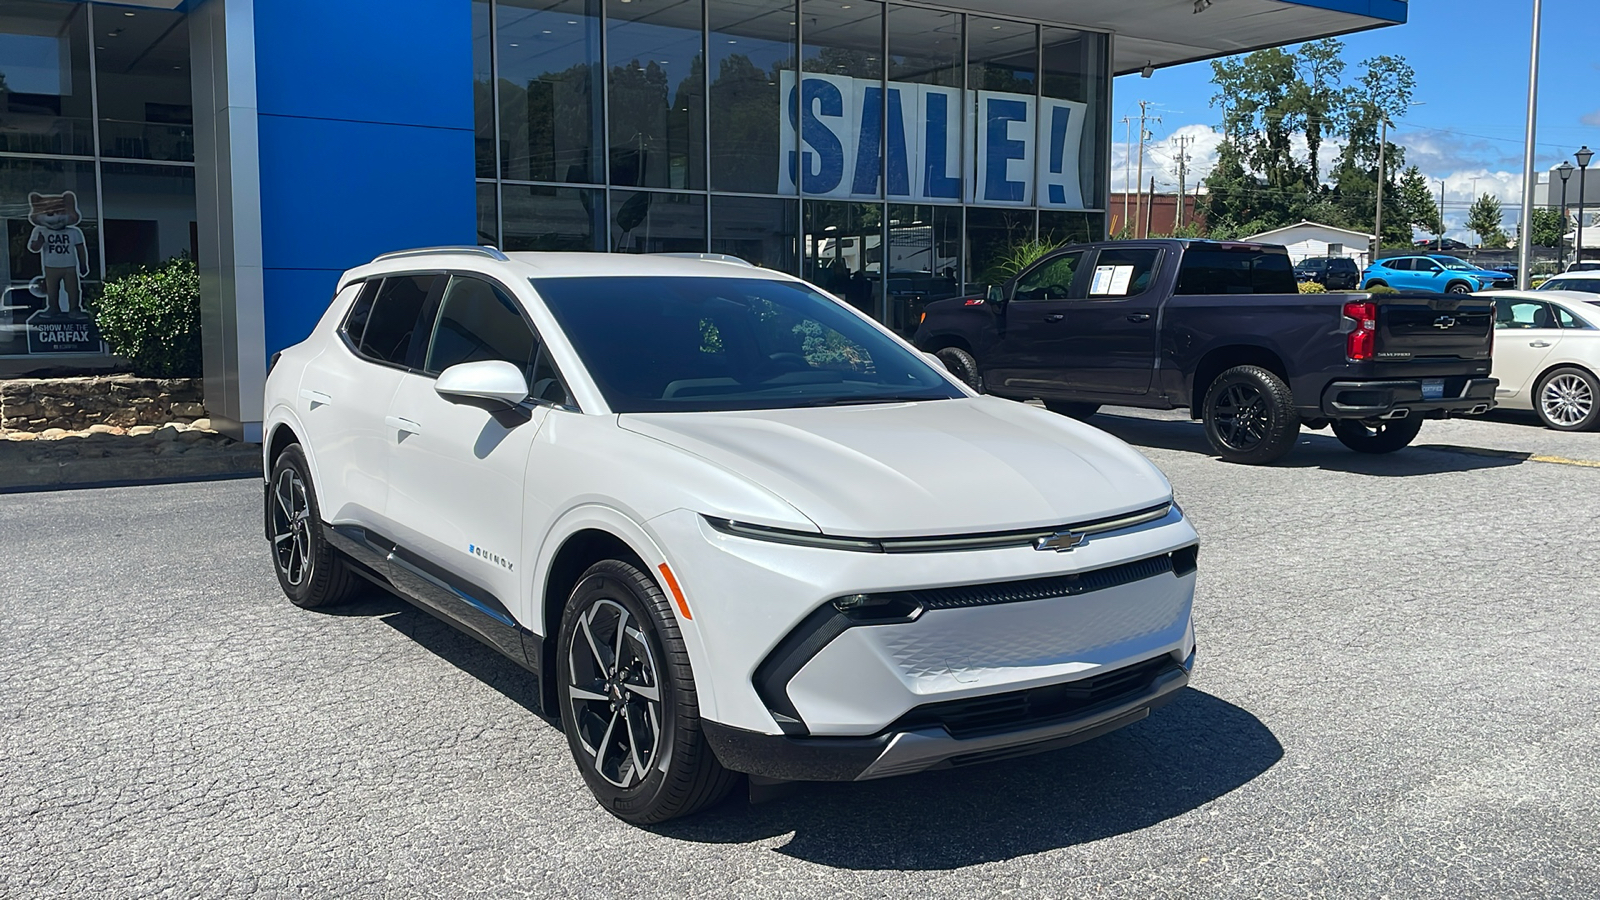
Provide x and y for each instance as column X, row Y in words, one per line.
column 1249, row 416
column 1569, row 400
column 1383, row 436
column 1079, row 411
column 963, row 365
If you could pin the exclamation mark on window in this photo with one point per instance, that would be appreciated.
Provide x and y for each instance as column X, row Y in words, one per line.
column 1059, row 116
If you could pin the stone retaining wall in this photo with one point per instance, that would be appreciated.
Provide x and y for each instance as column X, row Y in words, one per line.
column 120, row 401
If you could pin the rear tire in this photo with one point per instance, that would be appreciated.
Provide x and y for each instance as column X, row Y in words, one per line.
column 628, row 702
column 1568, row 399
column 311, row 572
column 1383, row 436
column 1079, row 411
column 1249, row 416
column 1376, row 282
column 963, row 365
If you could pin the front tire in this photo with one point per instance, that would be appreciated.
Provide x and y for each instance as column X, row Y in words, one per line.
column 1383, row 436
column 1079, row 411
column 1249, row 416
column 963, row 365
column 1568, row 399
column 311, row 572
column 628, row 702
column 1458, row 287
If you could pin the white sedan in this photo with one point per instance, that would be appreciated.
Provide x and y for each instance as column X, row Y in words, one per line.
column 1546, row 354
column 728, row 522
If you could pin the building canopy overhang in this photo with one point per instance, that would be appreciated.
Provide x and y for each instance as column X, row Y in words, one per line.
column 1168, row 32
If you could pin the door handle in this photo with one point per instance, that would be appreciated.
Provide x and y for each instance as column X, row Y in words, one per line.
column 1138, row 317
column 400, row 424
column 315, row 398
column 1055, row 317
column 1538, row 343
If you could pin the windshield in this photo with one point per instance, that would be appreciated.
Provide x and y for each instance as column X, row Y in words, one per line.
column 1587, row 285
column 1450, row 262
column 695, row 344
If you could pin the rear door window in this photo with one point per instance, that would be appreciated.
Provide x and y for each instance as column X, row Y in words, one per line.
column 1241, row 271
column 1399, row 265
column 393, row 321
column 1128, row 272
column 1522, row 314
column 355, row 322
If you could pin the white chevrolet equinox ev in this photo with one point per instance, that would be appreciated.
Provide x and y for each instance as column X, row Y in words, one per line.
column 732, row 524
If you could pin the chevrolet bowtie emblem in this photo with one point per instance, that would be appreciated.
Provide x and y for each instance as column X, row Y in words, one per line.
column 1445, row 322
column 1059, row 542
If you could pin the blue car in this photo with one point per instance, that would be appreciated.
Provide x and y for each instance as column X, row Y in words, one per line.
column 1436, row 274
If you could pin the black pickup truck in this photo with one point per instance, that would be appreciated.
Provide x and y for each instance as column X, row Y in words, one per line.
column 1219, row 328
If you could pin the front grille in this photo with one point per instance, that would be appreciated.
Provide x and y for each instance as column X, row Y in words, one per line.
column 962, row 596
column 1016, row 710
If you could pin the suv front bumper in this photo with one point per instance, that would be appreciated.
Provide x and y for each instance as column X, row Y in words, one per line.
column 1383, row 399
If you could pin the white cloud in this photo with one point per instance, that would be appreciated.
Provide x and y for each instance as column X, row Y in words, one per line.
column 1591, row 119
column 1161, row 159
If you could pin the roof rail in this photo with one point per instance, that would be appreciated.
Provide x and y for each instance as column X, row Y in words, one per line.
column 714, row 257
column 468, row 249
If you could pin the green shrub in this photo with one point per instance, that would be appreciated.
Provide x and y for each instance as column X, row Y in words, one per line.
column 151, row 318
column 1378, row 290
column 1312, row 287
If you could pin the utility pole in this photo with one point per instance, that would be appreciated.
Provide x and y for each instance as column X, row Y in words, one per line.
column 1144, row 135
column 1150, row 208
column 1441, row 215
column 1127, row 169
column 1183, row 142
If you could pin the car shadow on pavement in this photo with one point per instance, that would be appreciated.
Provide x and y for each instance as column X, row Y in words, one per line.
column 1313, row 449
column 1187, row 754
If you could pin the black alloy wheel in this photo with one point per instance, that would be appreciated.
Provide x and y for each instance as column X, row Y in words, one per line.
column 1249, row 416
column 628, row 701
column 1378, row 435
column 311, row 572
column 1459, row 287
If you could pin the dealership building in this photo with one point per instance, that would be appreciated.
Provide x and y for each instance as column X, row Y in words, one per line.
column 892, row 152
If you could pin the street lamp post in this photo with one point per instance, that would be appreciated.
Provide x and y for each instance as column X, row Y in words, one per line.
column 1583, row 156
column 1565, row 171
column 1524, row 244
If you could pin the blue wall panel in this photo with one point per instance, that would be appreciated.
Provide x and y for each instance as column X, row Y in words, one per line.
column 366, row 138
column 403, row 61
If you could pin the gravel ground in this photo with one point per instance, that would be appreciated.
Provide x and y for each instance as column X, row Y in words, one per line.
column 1395, row 697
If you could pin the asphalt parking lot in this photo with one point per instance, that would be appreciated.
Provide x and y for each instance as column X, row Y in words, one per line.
column 1396, row 696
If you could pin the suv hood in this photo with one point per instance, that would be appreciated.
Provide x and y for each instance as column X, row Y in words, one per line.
column 934, row 467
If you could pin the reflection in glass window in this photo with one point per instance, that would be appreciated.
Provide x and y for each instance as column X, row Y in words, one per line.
column 1051, row 280
column 756, row 229
column 488, row 216
column 536, row 217
column 1002, row 74
column 924, row 259
column 657, row 222
column 925, row 49
column 483, row 89
column 142, row 65
column 844, row 252
column 149, row 215
column 550, row 91
column 1073, row 118
column 1061, row 228
column 752, row 46
column 46, row 102
column 656, row 93
column 996, row 240
column 841, row 95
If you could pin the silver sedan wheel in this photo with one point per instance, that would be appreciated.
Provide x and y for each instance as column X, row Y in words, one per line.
column 1566, row 400
column 291, row 527
column 615, row 694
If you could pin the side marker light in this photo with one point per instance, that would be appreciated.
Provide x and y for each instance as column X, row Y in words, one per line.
column 677, row 592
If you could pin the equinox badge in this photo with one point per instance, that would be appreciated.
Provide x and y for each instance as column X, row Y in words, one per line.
column 1060, row 542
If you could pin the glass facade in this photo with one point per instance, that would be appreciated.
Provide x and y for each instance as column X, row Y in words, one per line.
column 97, row 170
column 891, row 154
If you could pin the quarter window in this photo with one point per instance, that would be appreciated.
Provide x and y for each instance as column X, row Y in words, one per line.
column 1051, row 281
column 393, row 320
column 355, row 324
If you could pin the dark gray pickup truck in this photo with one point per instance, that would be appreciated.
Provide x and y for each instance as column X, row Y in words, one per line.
column 1219, row 328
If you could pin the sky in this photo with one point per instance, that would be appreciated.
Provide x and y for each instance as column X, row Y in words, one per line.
column 1471, row 62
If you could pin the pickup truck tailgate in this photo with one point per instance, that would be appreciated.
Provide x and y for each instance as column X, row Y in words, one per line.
column 1434, row 327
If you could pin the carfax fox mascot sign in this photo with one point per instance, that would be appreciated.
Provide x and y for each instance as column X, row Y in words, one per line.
column 62, row 326
column 59, row 242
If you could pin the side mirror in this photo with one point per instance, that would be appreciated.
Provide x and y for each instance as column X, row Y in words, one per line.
column 994, row 294
column 493, row 384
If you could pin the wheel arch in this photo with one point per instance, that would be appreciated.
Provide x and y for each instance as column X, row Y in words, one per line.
column 1220, row 359
column 944, row 340
column 1457, row 282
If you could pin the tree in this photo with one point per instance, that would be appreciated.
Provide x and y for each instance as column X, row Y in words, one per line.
column 1549, row 228
column 1413, row 207
column 1384, row 93
column 1484, row 218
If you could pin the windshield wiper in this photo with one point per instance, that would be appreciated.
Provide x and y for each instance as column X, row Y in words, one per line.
column 874, row 398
